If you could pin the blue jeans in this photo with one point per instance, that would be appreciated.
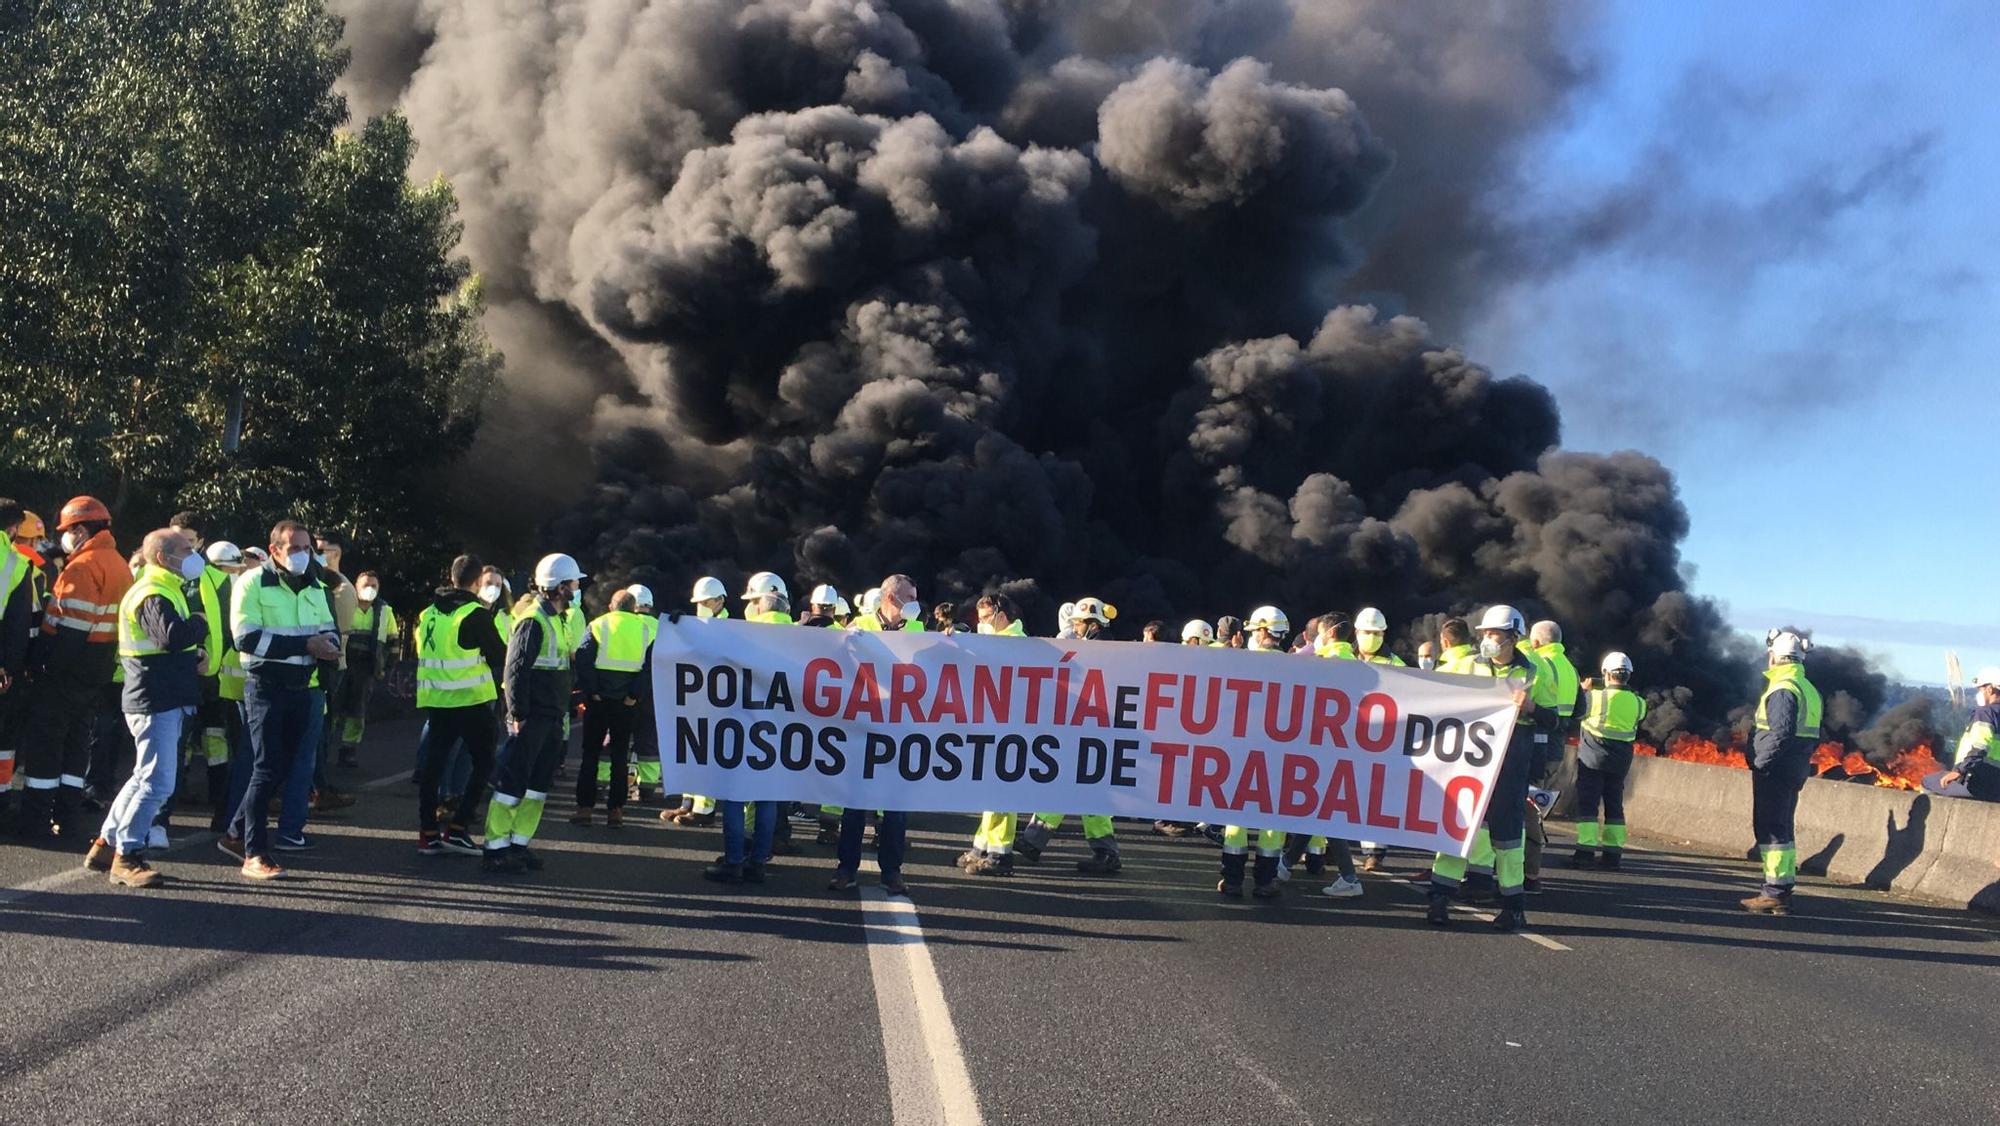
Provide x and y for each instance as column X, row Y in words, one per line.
column 732, row 831
column 276, row 719
column 157, row 737
column 889, row 857
column 305, row 774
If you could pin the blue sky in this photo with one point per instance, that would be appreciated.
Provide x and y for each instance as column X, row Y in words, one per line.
column 1787, row 297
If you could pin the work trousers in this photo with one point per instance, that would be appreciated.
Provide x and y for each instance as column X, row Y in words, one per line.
column 1774, row 800
column 1595, row 788
column 55, row 750
column 515, row 812
column 350, row 710
column 278, row 721
column 607, row 732
column 470, row 727
column 1505, row 826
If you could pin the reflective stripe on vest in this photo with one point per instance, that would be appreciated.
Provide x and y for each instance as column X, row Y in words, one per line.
column 152, row 580
column 556, row 649
column 279, row 611
column 1791, row 677
column 448, row 674
column 1614, row 714
column 230, row 679
column 622, row 640
column 14, row 568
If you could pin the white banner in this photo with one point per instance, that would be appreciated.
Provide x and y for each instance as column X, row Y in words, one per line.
column 965, row 723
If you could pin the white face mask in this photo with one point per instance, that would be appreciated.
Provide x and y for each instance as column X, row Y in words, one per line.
column 1427, row 662
column 1368, row 642
column 71, row 540
column 298, row 561
column 490, row 592
column 365, row 593
column 911, row 610
column 704, row 610
column 191, row 567
column 1489, row 649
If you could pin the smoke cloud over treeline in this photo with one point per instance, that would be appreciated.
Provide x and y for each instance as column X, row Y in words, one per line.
column 1061, row 298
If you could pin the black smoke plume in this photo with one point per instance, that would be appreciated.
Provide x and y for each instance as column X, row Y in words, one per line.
column 1057, row 298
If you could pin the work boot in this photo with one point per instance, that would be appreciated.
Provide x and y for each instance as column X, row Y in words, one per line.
column 1583, row 858
column 1438, row 914
column 1511, row 916
column 528, row 857
column 697, row 820
column 970, row 857
column 1232, row 875
column 992, row 864
column 331, row 800
column 581, row 816
column 1371, row 863
column 643, row 794
column 1315, row 864
column 614, row 818
column 1762, row 904
column 1171, row 829
column 500, row 861
column 1265, row 876
column 1102, row 862
column 842, row 880
column 99, row 858
column 753, row 872
column 829, row 831
column 1028, row 852
column 1612, row 860
column 133, row 872
column 723, row 873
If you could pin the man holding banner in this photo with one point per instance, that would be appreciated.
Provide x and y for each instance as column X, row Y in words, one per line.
column 896, row 610
column 884, row 718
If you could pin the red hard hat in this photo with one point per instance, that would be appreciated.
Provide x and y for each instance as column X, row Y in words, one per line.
column 82, row 510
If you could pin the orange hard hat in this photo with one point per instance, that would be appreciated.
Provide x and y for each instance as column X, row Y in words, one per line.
column 81, row 510
column 31, row 527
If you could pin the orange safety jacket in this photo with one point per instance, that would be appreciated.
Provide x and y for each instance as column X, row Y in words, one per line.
column 86, row 594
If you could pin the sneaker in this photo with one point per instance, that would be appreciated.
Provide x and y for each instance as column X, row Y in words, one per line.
column 100, row 856
column 260, row 869
column 231, row 847
column 500, row 860
column 156, row 838
column 1284, row 872
column 724, row 873
column 460, row 841
column 1346, row 887
column 295, row 842
column 842, row 881
column 430, row 844
column 893, row 886
column 133, row 872
column 801, row 817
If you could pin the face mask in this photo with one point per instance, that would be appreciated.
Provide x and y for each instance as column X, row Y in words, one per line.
column 490, row 592
column 704, row 610
column 191, row 568
column 319, row 557
column 71, row 540
column 298, row 561
column 1489, row 649
column 45, row 548
column 1427, row 662
column 987, row 628
column 365, row 593
column 1368, row 642
column 911, row 610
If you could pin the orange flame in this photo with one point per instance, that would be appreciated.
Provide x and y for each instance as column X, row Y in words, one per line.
column 1905, row 772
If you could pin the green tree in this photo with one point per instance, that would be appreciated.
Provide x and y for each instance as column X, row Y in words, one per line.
column 185, row 235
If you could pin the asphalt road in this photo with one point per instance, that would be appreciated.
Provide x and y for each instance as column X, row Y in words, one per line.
column 616, row 986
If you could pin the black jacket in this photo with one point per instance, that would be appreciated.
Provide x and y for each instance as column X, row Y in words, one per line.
column 533, row 692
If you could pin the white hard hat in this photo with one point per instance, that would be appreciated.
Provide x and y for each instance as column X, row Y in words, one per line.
column 1989, row 677
column 1198, row 628
column 641, row 594
column 556, row 569
column 824, row 595
column 1615, row 662
column 1371, row 620
column 871, row 598
column 763, row 583
column 841, row 607
column 222, row 553
column 1786, row 643
column 1270, row 618
column 1063, row 614
column 1503, row 617
column 1093, row 610
column 707, row 587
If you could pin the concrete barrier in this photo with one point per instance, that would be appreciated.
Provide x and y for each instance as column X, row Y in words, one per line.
column 1945, row 849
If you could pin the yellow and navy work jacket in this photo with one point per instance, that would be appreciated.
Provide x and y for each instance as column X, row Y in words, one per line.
column 616, row 659
column 1610, row 724
column 159, row 644
column 872, row 623
column 271, row 617
column 1788, row 718
column 1458, row 659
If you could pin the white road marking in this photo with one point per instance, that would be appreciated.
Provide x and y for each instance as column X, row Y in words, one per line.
column 928, row 1081
column 71, row 875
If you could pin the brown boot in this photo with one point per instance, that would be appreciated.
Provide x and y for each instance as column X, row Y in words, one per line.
column 258, row 868
column 1761, row 904
column 99, row 858
column 133, row 872
column 581, row 816
column 614, row 817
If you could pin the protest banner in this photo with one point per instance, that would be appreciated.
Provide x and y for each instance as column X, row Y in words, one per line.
column 965, row 723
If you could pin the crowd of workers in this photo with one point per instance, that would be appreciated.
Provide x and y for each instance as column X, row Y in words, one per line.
column 258, row 663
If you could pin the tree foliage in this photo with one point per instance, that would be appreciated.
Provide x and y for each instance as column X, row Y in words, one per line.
column 186, row 231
